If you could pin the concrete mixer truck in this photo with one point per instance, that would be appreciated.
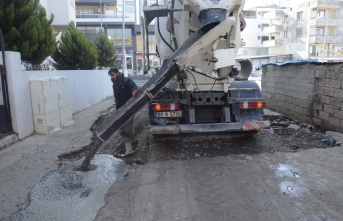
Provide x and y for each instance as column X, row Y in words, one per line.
column 200, row 86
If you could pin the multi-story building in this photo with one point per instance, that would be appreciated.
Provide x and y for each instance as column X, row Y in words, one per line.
column 253, row 35
column 310, row 30
column 63, row 11
column 94, row 15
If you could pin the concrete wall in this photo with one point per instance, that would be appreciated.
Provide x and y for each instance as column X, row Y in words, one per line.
column 311, row 93
column 86, row 89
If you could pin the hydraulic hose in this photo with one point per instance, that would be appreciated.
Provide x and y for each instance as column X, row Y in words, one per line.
column 159, row 32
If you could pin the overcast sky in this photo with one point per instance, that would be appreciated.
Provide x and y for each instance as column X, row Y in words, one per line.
column 253, row 3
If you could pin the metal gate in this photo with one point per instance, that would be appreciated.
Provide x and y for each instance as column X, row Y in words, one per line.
column 5, row 111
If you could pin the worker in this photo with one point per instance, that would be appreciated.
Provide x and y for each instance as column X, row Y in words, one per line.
column 123, row 89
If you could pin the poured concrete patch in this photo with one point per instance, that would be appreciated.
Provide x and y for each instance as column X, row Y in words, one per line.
column 68, row 194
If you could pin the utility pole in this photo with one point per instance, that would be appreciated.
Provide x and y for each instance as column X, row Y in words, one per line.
column 101, row 14
column 123, row 56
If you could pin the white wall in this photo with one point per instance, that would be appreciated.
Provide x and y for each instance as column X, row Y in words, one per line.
column 63, row 10
column 86, row 89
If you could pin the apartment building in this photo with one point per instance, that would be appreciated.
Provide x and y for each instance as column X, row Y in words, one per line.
column 313, row 29
column 63, row 11
column 253, row 35
column 94, row 15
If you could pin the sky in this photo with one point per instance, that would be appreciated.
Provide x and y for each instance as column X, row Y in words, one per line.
column 253, row 3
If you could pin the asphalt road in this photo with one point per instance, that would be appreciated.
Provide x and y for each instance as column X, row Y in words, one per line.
column 305, row 185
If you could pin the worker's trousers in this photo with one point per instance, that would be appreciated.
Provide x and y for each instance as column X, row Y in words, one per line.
column 126, row 131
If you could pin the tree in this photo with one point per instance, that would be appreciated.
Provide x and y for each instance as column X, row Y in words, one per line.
column 106, row 51
column 75, row 51
column 27, row 29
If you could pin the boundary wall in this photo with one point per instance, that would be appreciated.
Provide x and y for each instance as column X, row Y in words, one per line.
column 311, row 93
column 86, row 88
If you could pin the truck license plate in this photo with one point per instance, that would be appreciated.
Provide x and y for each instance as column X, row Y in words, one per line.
column 169, row 114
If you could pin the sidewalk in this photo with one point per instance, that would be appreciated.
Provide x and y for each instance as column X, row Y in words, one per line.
column 23, row 164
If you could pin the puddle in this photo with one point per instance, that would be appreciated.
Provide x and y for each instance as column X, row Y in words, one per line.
column 284, row 170
column 296, row 173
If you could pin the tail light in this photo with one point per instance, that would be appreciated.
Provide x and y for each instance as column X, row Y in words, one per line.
column 165, row 107
column 252, row 104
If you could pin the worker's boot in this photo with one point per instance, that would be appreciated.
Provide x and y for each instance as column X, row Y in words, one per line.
column 128, row 147
column 130, row 150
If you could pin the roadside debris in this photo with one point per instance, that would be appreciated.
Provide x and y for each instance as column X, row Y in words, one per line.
column 329, row 140
column 294, row 127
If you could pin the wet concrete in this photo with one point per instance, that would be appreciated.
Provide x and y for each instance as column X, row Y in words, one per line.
column 69, row 194
column 23, row 164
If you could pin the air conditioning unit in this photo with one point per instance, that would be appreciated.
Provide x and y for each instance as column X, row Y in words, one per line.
column 97, row 10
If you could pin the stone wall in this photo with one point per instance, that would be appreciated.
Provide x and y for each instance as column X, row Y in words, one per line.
column 311, row 93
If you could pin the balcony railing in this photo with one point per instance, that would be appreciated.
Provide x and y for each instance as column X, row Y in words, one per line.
column 273, row 29
column 323, row 4
column 249, row 16
column 321, row 21
column 272, row 43
column 331, row 39
column 273, row 14
column 104, row 18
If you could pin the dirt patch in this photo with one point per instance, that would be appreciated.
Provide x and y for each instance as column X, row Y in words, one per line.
column 286, row 135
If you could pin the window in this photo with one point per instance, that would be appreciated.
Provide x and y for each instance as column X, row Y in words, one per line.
column 116, row 35
column 245, row 52
column 285, row 34
column 285, row 19
column 258, row 37
column 259, row 26
column 300, row 16
column 264, row 25
column 90, row 31
column 319, row 31
column 129, row 3
column 265, row 38
column 139, row 42
column 152, row 43
column 129, row 9
column 86, row 11
column 299, row 32
column 320, row 14
column 258, row 52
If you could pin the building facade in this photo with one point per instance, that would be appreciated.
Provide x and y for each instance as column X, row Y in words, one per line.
column 254, row 36
column 63, row 11
column 311, row 30
column 107, row 15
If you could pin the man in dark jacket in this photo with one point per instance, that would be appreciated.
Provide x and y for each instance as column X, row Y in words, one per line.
column 123, row 89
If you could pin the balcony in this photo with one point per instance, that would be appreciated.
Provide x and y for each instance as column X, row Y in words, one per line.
column 272, row 43
column 324, row 22
column 105, row 18
column 273, row 29
column 331, row 39
column 273, row 14
column 325, row 4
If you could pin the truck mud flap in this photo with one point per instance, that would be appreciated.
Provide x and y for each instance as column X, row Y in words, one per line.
column 208, row 128
column 183, row 55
